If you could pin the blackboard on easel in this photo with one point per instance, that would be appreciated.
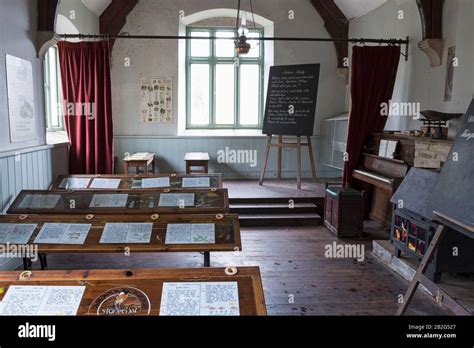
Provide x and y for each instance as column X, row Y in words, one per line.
column 291, row 100
column 452, row 201
column 290, row 110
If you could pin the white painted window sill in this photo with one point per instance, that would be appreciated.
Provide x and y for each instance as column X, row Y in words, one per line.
column 222, row 132
column 56, row 138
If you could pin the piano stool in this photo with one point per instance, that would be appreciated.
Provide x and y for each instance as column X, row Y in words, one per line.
column 344, row 211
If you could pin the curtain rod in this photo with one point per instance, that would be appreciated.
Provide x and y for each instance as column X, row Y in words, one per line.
column 390, row 41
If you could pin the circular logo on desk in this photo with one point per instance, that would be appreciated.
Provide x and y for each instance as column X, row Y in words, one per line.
column 123, row 301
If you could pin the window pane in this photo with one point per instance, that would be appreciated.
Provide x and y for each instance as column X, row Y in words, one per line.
column 249, row 94
column 225, row 48
column 254, row 44
column 53, row 88
column 199, row 94
column 200, row 47
column 225, row 94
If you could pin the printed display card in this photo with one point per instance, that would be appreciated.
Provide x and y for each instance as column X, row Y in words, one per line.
column 200, row 298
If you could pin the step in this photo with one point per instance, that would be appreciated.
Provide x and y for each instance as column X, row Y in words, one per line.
column 265, row 220
column 317, row 201
column 275, row 208
column 271, row 200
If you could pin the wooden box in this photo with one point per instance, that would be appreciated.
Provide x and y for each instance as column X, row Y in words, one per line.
column 344, row 211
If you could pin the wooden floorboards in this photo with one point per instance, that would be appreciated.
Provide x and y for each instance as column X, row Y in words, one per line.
column 293, row 267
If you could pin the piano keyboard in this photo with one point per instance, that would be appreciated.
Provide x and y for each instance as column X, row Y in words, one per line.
column 374, row 176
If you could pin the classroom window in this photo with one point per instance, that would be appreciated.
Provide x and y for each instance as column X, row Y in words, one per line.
column 52, row 88
column 223, row 90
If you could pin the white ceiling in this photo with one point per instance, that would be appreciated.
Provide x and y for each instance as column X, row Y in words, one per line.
column 97, row 6
column 356, row 8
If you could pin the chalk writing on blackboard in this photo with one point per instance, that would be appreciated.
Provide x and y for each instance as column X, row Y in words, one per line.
column 291, row 100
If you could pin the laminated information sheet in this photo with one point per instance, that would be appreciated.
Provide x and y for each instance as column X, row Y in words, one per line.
column 74, row 183
column 190, row 233
column 176, row 200
column 45, row 201
column 52, row 233
column 196, row 182
column 200, row 298
column 16, row 233
column 133, row 233
column 110, row 200
column 105, row 183
column 155, row 182
column 42, row 300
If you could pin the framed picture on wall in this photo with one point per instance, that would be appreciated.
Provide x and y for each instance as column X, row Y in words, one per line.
column 21, row 102
column 156, row 99
column 448, row 89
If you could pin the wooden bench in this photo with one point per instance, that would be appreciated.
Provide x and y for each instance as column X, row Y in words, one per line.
column 227, row 234
column 197, row 159
column 146, row 293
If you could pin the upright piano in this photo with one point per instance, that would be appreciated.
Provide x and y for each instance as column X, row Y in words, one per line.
column 380, row 176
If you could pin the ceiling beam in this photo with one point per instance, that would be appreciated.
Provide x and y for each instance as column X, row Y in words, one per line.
column 115, row 16
column 45, row 27
column 431, row 13
column 47, row 14
column 337, row 26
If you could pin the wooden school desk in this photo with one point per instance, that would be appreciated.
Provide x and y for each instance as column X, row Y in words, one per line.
column 227, row 234
column 143, row 286
column 206, row 201
column 132, row 182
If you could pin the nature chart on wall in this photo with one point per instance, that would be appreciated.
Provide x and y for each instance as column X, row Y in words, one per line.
column 156, row 100
column 21, row 105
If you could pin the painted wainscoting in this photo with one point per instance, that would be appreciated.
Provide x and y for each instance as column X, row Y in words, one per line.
column 31, row 168
column 170, row 151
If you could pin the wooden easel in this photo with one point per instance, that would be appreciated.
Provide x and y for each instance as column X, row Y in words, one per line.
column 280, row 145
column 420, row 277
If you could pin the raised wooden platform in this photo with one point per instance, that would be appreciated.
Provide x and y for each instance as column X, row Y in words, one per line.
column 276, row 202
column 455, row 293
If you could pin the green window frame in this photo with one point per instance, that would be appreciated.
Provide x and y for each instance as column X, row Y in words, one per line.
column 52, row 91
column 212, row 60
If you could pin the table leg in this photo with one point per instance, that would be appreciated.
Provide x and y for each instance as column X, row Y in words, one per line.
column 298, row 163
column 188, row 168
column 280, row 156
column 207, row 259
column 125, row 167
column 265, row 160
column 146, row 168
column 27, row 264
column 43, row 261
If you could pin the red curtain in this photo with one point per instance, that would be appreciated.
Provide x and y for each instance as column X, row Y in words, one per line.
column 87, row 98
column 374, row 70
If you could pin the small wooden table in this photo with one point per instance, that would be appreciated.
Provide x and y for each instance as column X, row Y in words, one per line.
column 144, row 286
column 197, row 159
column 138, row 162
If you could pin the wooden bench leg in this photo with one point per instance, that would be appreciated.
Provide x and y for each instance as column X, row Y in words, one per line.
column 27, row 264
column 43, row 261
column 207, row 259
